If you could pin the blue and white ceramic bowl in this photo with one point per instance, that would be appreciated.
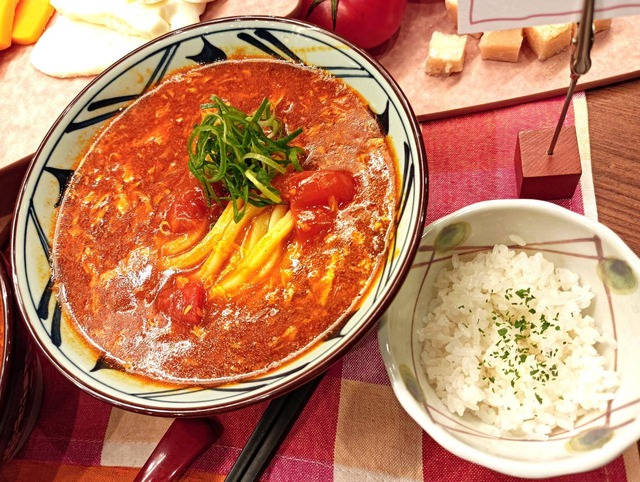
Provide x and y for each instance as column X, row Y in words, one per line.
column 114, row 90
column 601, row 260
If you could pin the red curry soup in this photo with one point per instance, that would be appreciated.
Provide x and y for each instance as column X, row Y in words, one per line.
column 172, row 281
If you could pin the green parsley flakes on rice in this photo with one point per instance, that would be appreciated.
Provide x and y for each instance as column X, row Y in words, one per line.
column 505, row 339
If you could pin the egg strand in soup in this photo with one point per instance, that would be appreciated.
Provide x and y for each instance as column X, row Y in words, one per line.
column 194, row 280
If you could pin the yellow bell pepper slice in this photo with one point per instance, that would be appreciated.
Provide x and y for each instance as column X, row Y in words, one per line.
column 7, row 12
column 30, row 20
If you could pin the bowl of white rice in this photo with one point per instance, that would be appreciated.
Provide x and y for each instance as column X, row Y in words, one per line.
column 513, row 341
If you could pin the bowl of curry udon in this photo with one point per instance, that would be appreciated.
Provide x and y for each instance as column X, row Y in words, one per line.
column 219, row 216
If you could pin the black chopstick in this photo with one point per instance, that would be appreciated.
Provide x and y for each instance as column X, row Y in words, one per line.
column 269, row 433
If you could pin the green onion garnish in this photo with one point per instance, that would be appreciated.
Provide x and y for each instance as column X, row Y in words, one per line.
column 242, row 152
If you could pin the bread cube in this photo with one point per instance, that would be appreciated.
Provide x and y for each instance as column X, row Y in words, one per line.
column 601, row 24
column 446, row 54
column 548, row 40
column 503, row 45
column 452, row 10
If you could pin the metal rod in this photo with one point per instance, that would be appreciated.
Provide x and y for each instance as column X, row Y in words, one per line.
column 580, row 63
column 581, row 55
column 563, row 114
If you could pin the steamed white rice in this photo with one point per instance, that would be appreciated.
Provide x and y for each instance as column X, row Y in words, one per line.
column 505, row 339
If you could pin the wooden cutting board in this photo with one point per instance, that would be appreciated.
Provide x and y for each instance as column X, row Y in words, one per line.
column 30, row 101
column 487, row 84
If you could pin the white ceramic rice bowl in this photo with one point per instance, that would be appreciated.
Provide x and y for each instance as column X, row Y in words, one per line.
column 569, row 240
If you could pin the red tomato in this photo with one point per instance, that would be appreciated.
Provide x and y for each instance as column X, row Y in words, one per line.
column 189, row 210
column 313, row 221
column 366, row 23
column 318, row 188
column 315, row 197
column 183, row 305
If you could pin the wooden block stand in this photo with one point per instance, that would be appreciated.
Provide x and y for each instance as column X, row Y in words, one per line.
column 541, row 176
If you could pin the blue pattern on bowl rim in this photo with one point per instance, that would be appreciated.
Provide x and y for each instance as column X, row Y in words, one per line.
column 118, row 87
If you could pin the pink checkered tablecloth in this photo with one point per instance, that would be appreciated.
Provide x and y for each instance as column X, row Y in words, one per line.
column 353, row 428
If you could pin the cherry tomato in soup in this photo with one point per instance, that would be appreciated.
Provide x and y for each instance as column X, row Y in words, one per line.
column 190, row 210
column 318, row 188
column 366, row 23
column 315, row 197
column 184, row 303
column 313, row 221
